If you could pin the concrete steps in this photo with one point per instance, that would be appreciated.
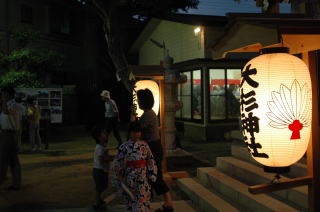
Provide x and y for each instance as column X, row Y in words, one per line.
column 298, row 169
column 254, row 175
column 238, row 192
column 225, row 187
column 203, row 199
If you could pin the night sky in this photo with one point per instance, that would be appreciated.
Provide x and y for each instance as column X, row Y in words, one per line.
column 221, row 7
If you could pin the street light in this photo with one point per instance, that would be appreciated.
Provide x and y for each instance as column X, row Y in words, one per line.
column 197, row 30
column 276, row 108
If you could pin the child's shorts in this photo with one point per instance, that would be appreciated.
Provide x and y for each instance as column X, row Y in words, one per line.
column 100, row 178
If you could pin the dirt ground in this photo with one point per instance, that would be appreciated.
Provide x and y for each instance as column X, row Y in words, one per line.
column 60, row 177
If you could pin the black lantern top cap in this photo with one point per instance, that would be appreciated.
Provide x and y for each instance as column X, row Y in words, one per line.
column 274, row 50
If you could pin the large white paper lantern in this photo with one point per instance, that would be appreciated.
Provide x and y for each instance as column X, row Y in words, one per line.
column 276, row 108
column 154, row 88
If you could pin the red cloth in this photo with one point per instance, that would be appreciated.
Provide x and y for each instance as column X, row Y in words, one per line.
column 137, row 163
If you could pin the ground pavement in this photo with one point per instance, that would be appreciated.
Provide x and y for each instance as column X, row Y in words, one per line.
column 60, row 177
column 180, row 206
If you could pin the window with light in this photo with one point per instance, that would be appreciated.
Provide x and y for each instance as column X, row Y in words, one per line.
column 224, row 93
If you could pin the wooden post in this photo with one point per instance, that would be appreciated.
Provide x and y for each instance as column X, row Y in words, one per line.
column 313, row 154
column 290, row 183
column 162, row 121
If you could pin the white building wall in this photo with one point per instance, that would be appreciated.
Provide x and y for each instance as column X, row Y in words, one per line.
column 178, row 38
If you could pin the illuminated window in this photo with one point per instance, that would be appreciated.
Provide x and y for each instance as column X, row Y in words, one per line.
column 224, row 93
column 217, row 94
column 189, row 93
column 186, row 97
column 196, row 94
column 233, row 93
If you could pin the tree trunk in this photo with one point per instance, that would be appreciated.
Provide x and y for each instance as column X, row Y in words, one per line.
column 108, row 13
column 313, row 8
column 307, row 7
column 273, row 7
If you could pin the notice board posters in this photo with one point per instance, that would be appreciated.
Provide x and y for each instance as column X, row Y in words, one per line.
column 48, row 99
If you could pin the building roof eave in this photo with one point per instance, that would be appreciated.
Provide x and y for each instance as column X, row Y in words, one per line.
column 202, row 20
column 146, row 32
column 284, row 24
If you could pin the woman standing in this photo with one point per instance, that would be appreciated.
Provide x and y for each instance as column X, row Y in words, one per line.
column 34, row 115
column 150, row 134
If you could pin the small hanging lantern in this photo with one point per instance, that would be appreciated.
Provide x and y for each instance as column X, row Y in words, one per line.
column 154, row 88
column 276, row 108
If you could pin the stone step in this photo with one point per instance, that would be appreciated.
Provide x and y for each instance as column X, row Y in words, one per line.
column 202, row 198
column 254, row 175
column 241, row 152
column 238, row 192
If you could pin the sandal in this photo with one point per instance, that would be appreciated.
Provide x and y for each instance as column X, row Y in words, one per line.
column 101, row 206
column 165, row 209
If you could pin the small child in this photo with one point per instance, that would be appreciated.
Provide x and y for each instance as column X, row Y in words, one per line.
column 101, row 165
column 134, row 167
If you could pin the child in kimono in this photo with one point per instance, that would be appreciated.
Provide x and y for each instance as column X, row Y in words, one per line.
column 133, row 168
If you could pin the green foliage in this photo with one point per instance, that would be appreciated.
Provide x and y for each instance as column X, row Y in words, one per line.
column 24, row 59
column 34, row 60
column 45, row 60
column 25, row 35
column 16, row 59
column 22, row 79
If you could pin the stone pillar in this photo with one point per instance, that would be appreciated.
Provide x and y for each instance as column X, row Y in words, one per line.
column 171, row 80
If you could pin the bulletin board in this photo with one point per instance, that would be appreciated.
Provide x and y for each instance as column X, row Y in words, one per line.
column 49, row 100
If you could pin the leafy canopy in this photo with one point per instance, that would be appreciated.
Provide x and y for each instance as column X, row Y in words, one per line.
column 23, row 79
column 25, row 58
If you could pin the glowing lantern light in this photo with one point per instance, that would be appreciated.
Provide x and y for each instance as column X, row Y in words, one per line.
column 154, row 88
column 276, row 108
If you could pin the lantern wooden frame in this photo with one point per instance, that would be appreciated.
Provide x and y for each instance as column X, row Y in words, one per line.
column 274, row 100
column 305, row 44
column 312, row 179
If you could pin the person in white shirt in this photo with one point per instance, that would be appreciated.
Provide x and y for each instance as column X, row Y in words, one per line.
column 100, row 170
column 9, row 125
column 111, row 115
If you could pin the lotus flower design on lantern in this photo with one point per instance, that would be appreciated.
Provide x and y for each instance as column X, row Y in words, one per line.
column 290, row 108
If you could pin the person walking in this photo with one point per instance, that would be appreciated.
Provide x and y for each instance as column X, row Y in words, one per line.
column 100, row 169
column 133, row 170
column 33, row 116
column 9, row 125
column 111, row 115
column 150, row 134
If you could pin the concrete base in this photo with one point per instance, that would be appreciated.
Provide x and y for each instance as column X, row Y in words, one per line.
column 177, row 152
column 203, row 199
column 237, row 191
column 169, row 177
column 253, row 175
